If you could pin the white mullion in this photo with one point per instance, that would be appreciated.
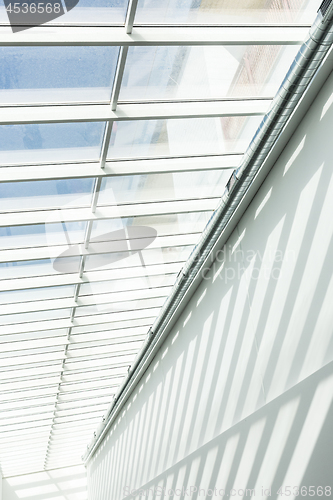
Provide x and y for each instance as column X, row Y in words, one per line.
column 119, row 77
column 131, row 11
column 94, row 203
column 161, row 35
column 105, row 147
column 13, row 115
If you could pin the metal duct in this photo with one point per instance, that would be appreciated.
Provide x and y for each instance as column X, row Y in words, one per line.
column 301, row 72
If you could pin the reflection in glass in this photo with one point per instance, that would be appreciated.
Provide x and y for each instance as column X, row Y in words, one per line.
column 160, row 73
column 42, row 235
column 147, row 257
column 185, row 136
column 165, row 225
column 225, row 12
column 30, row 268
column 163, row 187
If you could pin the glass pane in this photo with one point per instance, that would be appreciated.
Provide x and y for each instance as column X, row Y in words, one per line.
column 27, row 418
column 163, row 187
column 84, row 402
column 95, row 374
column 143, row 258
column 90, row 12
column 123, row 306
column 42, row 235
column 8, row 319
column 184, row 136
column 11, row 386
column 31, row 372
column 41, row 351
column 31, row 394
column 47, row 337
column 37, row 195
column 225, row 12
column 78, row 411
column 50, row 142
column 19, row 296
column 163, row 224
column 117, row 325
column 56, row 74
column 78, row 364
column 67, row 398
column 31, row 268
column 21, row 384
column 161, row 73
column 101, row 350
column 117, row 297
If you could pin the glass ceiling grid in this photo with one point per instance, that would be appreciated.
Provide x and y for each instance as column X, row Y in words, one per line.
column 93, row 156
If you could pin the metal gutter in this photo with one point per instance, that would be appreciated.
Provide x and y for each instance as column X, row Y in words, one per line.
column 310, row 56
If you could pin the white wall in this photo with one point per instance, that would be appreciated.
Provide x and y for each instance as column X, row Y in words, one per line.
column 69, row 483
column 240, row 394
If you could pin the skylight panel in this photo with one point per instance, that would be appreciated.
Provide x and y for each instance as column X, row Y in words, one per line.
column 19, row 296
column 98, row 362
column 123, row 306
column 184, row 136
column 96, row 12
column 31, row 75
column 207, row 72
column 41, row 235
column 50, row 142
column 163, row 187
column 103, row 372
column 22, row 357
column 45, row 194
column 165, row 225
column 30, row 371
column 22, row 384
column 68, row 398
column 116, row 325
column 167, row 255
column 225, row 12
column 26, row 269
column 87, row 12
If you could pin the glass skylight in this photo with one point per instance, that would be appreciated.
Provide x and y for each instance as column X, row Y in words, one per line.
column 224, row 12
column 119, row 130
column 210, row 72
column 185, row 136
column 56, row 74
column 50, row 142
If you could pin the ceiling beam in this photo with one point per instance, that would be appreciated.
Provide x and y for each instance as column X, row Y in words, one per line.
column 108, row 212
column 19, row 173
column 143, row 36
column 12, row 115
